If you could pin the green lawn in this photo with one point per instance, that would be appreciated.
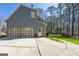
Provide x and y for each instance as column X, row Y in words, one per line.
column 58, row 38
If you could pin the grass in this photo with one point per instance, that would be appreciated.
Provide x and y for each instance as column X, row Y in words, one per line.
column 57, row 37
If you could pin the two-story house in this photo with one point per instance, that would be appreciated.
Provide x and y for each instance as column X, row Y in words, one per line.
column 24, row 22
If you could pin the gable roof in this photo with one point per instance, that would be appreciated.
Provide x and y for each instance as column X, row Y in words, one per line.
column 6, row 19
column 28, row 7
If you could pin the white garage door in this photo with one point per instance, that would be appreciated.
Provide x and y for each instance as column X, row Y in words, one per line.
column 27, row 32
column 24, row 32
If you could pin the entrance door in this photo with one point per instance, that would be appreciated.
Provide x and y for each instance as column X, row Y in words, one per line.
column 39, row 31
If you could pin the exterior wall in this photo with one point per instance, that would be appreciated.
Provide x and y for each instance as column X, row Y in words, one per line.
column 21, row 18
column 43, row 28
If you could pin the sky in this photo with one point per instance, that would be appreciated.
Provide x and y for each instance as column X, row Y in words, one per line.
column 7, row 8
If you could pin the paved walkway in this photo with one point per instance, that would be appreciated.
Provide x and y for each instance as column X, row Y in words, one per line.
column 37, row 47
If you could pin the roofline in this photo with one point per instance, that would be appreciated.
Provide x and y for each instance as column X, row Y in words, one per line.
column 16, row 9
column 11, row 13
column 6, row 19
column 29, row 8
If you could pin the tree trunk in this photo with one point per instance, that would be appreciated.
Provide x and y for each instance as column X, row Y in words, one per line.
column 51, row 23
column 78, row 24
column 69, row 23
column 60, row 21
column 72, row 30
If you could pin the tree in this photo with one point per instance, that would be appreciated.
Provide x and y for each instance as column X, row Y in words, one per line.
column 59, row 8
column 76, row 19
column 64, row 18
column 45, row 15
column 73, row 17
column 51, row 10
column 1, row 17
column 68, row 7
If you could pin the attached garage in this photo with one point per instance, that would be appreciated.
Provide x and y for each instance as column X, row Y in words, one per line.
column 23, row 32
column 24, row 22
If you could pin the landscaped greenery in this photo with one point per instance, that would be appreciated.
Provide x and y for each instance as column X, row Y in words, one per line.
column 58, row 38
column 2, row 34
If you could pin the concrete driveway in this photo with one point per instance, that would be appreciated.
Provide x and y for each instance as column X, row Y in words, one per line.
column 37, row 47
column 19, row 47
column 49, row 47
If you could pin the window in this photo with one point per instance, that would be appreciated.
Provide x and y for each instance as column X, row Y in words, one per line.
column 32, row 14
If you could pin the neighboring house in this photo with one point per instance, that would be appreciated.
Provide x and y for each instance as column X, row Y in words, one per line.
column 2, row 26
column 24, row 22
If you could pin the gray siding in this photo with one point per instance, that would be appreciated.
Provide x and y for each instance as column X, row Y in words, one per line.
column 22, row 18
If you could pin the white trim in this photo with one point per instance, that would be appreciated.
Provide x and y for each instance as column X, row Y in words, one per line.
column 42, row 23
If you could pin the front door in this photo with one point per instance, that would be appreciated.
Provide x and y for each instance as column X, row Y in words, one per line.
column 39, row 31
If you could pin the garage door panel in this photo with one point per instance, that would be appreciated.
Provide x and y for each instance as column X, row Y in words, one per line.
column 28, row 32
column 24, row 32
